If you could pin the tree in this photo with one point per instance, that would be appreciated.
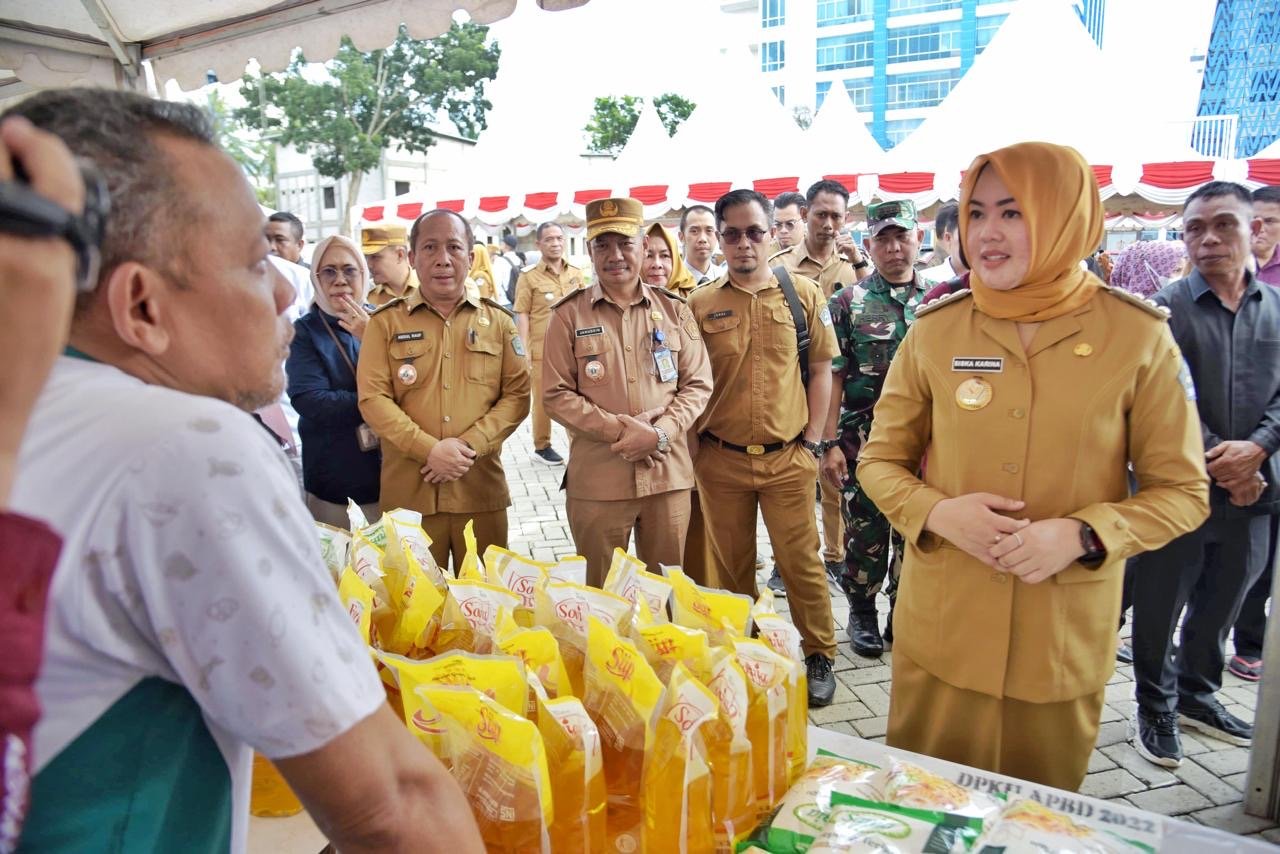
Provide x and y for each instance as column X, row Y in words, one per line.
column 803, row 116
column 614, row 118
column 367, row 102
column 256, row 156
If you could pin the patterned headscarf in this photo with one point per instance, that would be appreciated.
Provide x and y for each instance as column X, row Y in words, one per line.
column 1144, row 267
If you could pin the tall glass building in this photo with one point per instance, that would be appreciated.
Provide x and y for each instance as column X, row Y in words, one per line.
column 1242, row 75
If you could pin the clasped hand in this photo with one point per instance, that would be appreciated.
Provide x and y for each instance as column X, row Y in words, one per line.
column 638, row 441
column 1032, row 551
column 449, row 460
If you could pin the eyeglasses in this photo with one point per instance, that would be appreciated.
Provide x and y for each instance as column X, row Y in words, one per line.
column 733, row 236
column 329, row 275
column 786, row 224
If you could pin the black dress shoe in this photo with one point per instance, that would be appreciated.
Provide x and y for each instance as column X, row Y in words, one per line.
column 1124, row 654
column 822, row 680
column 864, row 634
column 888, row 626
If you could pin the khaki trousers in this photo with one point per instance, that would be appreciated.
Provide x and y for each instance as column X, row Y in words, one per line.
column 445, row 531
column 336, row 514
column 541, row 421
column 1047, row 743
column 832, row 523
column 659, row 522
column 697, row 563
column 732, row 485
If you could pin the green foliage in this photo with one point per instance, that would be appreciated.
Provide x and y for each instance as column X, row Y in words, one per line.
column 367, row 102
column 255, row 155
column 614, row 118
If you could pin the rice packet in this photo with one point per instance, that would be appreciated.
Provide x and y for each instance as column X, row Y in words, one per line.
column 794, row 824
column 908, row 785
column 856, row 824
column 334, row 546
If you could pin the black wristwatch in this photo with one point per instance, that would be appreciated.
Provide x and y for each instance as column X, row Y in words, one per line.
column 26, row 213
column 862, row 265
column 815, row 448
column 1094, row 551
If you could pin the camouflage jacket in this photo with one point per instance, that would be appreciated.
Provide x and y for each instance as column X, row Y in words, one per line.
column 870, row 319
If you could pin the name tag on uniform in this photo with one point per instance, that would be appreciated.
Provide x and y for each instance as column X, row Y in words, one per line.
column 591, row 330
column 978, row 364
column 876, row 317
column 409, row 336
column 716, row 315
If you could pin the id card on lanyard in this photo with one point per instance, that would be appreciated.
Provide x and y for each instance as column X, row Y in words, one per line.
column 663, row 361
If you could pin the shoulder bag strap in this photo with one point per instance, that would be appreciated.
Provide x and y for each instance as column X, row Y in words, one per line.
column 797, row 314
column 342, row 351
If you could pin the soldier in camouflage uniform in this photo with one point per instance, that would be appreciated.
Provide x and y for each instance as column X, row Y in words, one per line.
column 870, row 319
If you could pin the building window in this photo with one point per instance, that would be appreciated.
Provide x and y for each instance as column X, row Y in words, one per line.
column 859, row 89
column 773, row 56
column 773, row 13
column 926, row 89
column 820, row 93
column 987, row 28
column 851, row 51
column 834, row 12
column 402, row 188
column 330, row 198
column 911, row 7
column 928, row 41
column 781, row 92
column 898, row 130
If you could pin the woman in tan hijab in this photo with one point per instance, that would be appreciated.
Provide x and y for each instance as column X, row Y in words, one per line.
column 481, row 273
column 663, row 266
column 999, row 450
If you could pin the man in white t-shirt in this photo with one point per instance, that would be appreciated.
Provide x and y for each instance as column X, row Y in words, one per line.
column 191, row 618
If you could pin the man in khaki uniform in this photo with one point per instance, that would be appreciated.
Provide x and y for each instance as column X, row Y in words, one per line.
column 386, row 251
column 626, row 373
column 831, row 258
column 761, row 430
column 443, row 381
column 538, row 287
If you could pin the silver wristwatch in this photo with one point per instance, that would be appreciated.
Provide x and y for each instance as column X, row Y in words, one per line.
column 664, row 441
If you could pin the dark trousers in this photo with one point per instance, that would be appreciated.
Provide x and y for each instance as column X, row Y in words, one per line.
column 1208, row 572
column 1251, row 625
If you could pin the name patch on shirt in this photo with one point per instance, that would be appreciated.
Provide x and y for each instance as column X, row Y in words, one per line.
column 590, row 330
column 716, row 315
column 978, row 364
column 409, row 336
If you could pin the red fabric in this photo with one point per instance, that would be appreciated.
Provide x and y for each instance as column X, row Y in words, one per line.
column 540, row 201
column 907, row 183
column 409, row 210
column 649, row 194
column 1101, row 174
column 1265, row 171
column 582, row 197
column 454, row 205
column 494, row 204
column 708, row 192
column 772, row 187
column 373, row 214
column 30, row 552
column 849, row 182
column 1177, row 175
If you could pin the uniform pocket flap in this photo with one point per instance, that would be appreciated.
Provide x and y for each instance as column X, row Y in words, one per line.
column 782, row 314
column 484, row 345
column 720, row 324
column 590, row 345
column 408, row 349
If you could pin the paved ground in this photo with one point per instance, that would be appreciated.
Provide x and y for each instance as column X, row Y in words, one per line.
column 1206, row 789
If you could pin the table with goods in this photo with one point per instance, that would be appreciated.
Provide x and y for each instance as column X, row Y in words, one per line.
column 656, row 715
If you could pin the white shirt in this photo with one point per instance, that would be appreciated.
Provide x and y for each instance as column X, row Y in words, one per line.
column 939, row 273
column 187, row 555
column 300, row 277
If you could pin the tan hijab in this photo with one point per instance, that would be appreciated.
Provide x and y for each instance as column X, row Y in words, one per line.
column 318, row 261
column 1058, row 195
column 681, row 280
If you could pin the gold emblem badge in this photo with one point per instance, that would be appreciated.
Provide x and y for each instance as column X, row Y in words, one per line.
column 973, row 394
column 1083, row 350
column 608, row 208
column 408, row 374
column 482, row 320
column 656, row 316
column 594, row 371
column 549, row 296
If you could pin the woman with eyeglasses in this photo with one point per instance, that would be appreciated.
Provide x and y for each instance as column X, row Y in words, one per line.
column 340, row 457
column 1028, row 393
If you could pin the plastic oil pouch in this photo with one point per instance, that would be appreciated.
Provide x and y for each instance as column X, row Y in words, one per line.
column 678, row 790
column 357, row 597
column 334, row 546
column 766, row 674
column 518, row 574
column 571, row 568
column 577, row 775
column 698, row 607
column 628, row 578
column 731, row 753
column 563, row 608
column 539, row 651
column 470, row 615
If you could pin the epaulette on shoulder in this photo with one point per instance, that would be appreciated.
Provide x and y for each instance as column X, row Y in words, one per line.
column 386, row 305
column 779, row 254
column 493, row 303
column 946, row 299
column 529, row 268
column 1149, row 306
column 672, row 295
column 573, row 294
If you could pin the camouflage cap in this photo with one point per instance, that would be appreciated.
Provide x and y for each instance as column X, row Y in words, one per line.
column 900, row 213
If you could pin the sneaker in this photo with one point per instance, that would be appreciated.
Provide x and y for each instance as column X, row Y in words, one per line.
column 1216, row 722
column 548, row 456
column 835, row 571
column 822, row 680
column 1248, row 669
column 1155, row 736
column 1124, row 653
column 775, row 584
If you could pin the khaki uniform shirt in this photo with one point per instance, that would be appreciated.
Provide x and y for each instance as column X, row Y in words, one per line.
column 422, row 378
column 599, row 362
column 758, row 397
column 382, row 294
column 837, row 270
column 537, row 290
column 1053, row 425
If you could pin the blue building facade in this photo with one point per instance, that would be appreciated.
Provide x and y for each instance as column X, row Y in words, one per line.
column 1093, row 14
column 1242, row 74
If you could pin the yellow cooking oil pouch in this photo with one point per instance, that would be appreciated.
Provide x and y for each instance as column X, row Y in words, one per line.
column 700, row 607
column 518, row 574
column 779, row 632
column 629, row 579
column 730, row 751
column 471, row 568
column 498, row 759
column 572, row 568
column 622, row 695
column 403, row 537
column 357, row 597
column 577, row 775
column 677, row 776
column 416, row 612
column 665, row 645
column 470, row 615
column 539, row 651
column 766, row 674
column 563, row 608
column 335, row 544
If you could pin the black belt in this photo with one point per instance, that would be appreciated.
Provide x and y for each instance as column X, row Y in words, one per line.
column 753, row 450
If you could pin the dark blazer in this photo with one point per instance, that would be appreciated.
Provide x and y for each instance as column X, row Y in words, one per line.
column 323, row 391
column 1234, row 359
